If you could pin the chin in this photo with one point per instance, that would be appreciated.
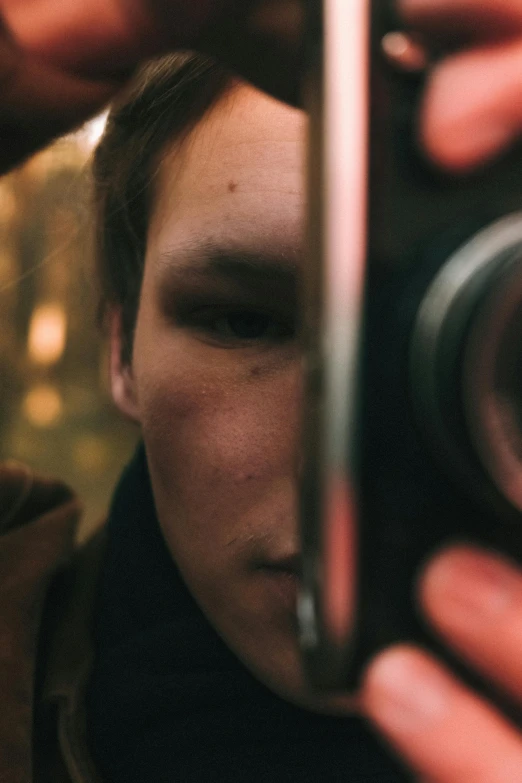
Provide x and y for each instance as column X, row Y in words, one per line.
column 285, row 676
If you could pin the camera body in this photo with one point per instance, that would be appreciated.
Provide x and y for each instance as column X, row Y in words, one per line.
column 439, row 434
column 441, row 408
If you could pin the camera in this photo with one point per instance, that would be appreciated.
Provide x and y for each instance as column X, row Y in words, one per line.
column 413, row 424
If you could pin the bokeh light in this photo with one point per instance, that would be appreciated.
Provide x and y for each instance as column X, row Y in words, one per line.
column 43, row 405
column 47, row 334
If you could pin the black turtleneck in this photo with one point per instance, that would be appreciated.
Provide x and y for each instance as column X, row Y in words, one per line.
column 169, row 702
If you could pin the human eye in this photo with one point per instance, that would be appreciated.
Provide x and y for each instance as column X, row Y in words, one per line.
column 236, row 325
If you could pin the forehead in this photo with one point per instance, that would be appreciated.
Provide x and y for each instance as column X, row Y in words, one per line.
column 238, row 179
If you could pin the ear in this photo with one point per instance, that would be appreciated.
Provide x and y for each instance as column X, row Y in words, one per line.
column 123, row 386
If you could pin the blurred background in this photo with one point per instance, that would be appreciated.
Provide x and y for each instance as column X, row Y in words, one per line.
column 56, row 414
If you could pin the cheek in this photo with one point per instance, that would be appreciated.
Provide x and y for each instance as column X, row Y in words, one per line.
column 222, row 435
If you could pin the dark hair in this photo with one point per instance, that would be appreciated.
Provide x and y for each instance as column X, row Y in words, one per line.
column 162, row 104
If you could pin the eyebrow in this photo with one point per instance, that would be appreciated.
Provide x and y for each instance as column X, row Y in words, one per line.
column 199, row 262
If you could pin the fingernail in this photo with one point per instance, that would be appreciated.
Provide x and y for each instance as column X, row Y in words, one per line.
column 475, row 585
column 405, row 692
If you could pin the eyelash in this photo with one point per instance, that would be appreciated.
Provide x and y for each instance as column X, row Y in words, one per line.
column 215, row 323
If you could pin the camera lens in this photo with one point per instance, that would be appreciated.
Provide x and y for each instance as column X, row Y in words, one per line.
column 492, row 381
column 466, row 365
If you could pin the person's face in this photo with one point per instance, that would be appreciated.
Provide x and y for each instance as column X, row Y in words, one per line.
column 215, row 381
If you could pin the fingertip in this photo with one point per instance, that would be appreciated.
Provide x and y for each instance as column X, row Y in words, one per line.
column 470, row 113
column 461, row 150
column 387, row 672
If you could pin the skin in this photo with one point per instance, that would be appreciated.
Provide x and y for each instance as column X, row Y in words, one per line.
column 417, row 704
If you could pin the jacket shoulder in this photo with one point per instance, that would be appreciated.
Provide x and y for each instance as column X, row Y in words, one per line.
column 38, row 521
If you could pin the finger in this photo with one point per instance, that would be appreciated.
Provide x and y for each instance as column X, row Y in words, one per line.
column 40, row 103
column 474, row 600
column 473, row 106
column 92, row 36
column 444, row 731
column 86, row 36
column 456, row 18
column 260, row 39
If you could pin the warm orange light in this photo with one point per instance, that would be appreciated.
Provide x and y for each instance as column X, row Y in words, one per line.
column 43, row 405
column 47, row 334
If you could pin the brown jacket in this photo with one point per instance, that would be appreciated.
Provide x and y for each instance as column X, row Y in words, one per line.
column 46, row 596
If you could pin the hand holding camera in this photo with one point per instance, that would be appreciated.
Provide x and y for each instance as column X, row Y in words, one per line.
column 470, row 598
